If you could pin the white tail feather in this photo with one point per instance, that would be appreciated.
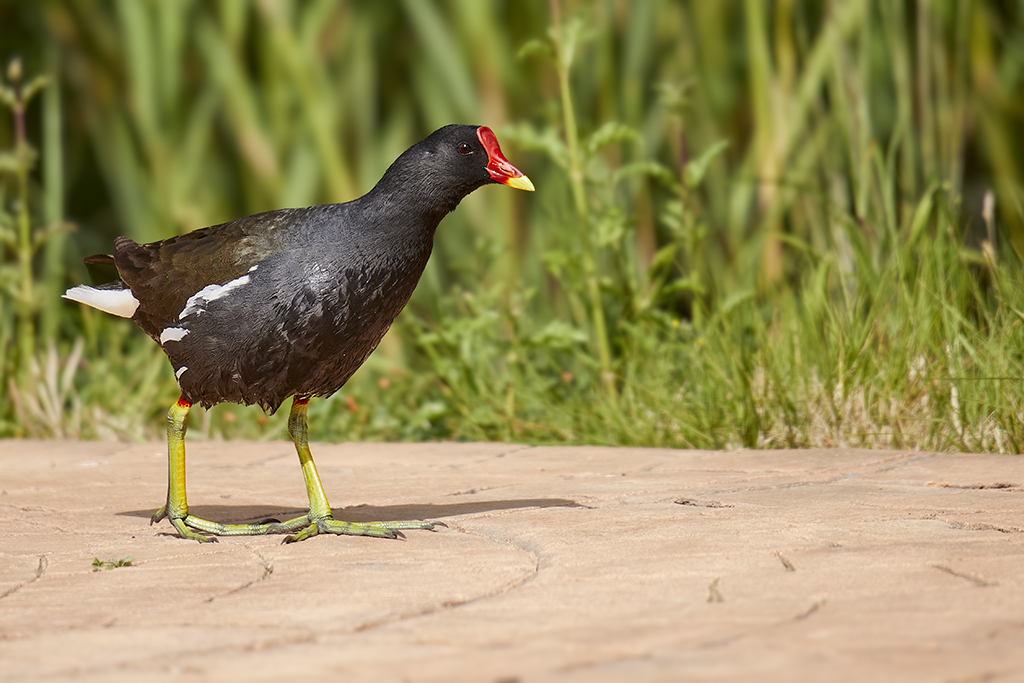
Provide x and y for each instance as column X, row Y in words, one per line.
column 114, row 301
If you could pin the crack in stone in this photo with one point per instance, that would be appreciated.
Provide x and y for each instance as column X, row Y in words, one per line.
column 516, row 449
column 818, row 603
column 157, row 661
column 976, row 580
column 842, row 473
column 576, row 667
column 702, row 503
column 901, row 460
column 469, row 492
column 979, row 526
column 999, row 485
column 790, row 567
column 778, row 486
column 264, row 645
column 40, row 570
column 268, row 569
column 452, row 604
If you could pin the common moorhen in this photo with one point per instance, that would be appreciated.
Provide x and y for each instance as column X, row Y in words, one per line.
column 289, row 303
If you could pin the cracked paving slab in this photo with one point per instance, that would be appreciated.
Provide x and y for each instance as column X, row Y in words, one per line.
column 559, row 563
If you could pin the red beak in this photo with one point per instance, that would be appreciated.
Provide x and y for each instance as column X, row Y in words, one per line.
column 497, row 165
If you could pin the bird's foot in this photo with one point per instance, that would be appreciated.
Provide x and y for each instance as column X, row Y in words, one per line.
column 308, row 526
column 186, row 523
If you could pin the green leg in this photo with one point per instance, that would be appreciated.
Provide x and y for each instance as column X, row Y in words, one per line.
column 176, row 508
column 320, row 519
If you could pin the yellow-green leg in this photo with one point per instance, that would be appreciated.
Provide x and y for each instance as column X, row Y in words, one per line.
column 176, row 507
column 320, row 519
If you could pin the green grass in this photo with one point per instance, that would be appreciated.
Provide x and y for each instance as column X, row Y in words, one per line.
column 98, row 564
column 756, row 224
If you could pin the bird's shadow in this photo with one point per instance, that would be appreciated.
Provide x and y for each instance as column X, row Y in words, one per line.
column 241, row 514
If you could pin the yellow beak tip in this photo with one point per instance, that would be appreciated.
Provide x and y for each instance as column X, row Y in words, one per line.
column 520, row 183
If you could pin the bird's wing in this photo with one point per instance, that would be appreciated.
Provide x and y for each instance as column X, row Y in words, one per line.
column 164, row 276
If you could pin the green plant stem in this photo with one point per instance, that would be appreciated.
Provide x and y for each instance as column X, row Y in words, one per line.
column 53, row 203
column 26, row 331
column 563, row 64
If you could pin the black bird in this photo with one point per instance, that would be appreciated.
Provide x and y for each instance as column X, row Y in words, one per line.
column 289, row 303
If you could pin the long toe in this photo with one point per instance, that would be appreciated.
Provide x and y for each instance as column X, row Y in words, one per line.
column 190, row 527
column 329, row 525
column 188, row 534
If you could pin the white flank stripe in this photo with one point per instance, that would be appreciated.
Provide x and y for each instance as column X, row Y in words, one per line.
column 254, row 267
column 114, row 301
column 172, row 334
column 197, row 302
column 180, row 372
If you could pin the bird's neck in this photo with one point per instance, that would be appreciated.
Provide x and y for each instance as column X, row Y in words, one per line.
column 408, row 193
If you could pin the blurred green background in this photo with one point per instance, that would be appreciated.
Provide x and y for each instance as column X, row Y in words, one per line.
column 760, row 224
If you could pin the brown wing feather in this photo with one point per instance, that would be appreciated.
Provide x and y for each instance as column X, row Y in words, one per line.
column 163, row 275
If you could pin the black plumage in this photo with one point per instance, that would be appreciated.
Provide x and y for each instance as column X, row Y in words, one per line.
column 291, row 302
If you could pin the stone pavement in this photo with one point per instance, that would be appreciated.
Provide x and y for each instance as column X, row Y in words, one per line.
column 559, row 564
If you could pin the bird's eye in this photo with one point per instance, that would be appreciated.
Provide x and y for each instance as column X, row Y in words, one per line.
column 464, row 148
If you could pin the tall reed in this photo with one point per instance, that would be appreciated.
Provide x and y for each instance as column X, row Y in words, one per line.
column 756, row 224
